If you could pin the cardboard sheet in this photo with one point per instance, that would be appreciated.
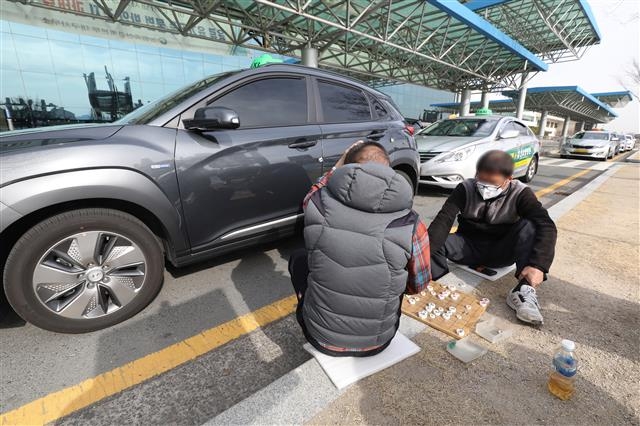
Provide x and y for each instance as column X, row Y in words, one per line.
column 344, row 371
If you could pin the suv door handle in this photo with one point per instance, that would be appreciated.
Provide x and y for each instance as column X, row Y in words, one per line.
column 302, row 144
column 375, row 135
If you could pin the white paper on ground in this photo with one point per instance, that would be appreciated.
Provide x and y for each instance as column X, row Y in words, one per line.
column 501, row 272
column 344, row 371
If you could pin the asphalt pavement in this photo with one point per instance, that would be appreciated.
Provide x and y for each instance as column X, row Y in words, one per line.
column 36, row 363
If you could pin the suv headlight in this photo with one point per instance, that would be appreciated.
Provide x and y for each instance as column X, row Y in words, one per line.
column 457, row 155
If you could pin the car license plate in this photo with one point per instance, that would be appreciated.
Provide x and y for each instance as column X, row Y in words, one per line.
column 581, row 151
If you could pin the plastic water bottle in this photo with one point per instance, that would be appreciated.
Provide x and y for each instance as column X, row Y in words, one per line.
column 565, row 367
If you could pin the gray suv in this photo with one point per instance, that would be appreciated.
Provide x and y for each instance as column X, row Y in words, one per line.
column 89, row 213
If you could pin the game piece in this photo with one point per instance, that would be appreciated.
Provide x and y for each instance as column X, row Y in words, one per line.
column 429, row 287
column 445, row 314
column 455, row 296
column 423, row 293
column 460, row 332
column 484, row 302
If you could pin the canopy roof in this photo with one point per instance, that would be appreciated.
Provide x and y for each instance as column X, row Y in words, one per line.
column 555, row 30
column 614, row 99
column 563, row 101
column 436, row 43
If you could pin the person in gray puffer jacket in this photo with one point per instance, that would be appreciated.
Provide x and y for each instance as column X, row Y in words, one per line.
column 362, row 253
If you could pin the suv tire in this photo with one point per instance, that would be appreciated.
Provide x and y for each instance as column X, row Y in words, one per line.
column 409, row 180
column 84, row 270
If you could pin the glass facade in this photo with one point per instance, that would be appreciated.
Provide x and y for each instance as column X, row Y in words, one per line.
column 414, row 100
column 51, row 77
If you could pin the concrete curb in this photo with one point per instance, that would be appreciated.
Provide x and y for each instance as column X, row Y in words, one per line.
column 302, row 393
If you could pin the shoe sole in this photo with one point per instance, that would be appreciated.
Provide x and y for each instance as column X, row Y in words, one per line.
column 531, row 322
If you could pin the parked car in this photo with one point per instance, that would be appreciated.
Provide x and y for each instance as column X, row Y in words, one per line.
column 594, row 144
column 630, row 142
column 449, row 149
column 90, row 212
column 620, row 143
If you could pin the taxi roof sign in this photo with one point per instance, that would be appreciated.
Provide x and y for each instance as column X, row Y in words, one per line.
column 264, row 59
column 483, row 111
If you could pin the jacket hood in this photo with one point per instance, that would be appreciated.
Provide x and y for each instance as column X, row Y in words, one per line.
column 443, row 143
column 371, row 187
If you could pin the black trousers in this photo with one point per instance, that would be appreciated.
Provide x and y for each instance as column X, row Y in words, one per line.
column 476, row 250
column 298, row 271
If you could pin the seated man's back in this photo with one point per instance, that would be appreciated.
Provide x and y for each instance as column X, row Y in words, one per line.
column 364, row 248
column 358, row 232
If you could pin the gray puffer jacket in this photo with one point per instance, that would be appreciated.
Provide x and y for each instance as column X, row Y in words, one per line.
column 358, row 234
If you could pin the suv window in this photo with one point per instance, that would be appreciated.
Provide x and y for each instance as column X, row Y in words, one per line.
column 380, row 111
column 342, row 104
column 269, row 102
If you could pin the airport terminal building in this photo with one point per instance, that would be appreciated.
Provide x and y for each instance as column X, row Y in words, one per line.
column 60, row 67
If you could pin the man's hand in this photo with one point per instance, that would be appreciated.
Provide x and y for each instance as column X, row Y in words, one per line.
column 340, row 162
column 533, row 275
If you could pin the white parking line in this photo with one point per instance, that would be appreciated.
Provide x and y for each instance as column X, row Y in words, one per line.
column 576, row 164
column 601, row 166
column 551, row 161
column 580, row 164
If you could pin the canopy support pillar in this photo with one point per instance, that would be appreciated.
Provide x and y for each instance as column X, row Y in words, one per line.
column 565, row 127
column 310, row 57
column 543, row 123
column 522, row 96
column 465, row 102
column 484, row 100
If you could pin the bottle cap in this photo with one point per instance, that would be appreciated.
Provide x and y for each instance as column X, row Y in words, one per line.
column 568, row 345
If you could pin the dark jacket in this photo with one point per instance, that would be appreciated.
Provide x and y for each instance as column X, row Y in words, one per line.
column 358, row 233
column 493, row 218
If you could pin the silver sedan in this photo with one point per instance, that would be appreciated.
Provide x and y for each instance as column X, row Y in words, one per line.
column 449, row 149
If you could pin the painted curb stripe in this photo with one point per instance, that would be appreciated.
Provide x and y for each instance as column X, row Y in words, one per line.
column 64, row 402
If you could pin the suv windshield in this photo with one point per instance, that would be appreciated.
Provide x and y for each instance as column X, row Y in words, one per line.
column 154, row 109
column 595, row 135
column 460, row 127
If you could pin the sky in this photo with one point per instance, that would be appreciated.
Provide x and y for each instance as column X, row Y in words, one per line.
column 604, row 65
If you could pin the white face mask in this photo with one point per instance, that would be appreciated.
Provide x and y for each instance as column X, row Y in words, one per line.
column 488, row 191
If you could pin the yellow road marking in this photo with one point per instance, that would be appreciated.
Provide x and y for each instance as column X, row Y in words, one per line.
column 64, row 402
column 544, row 191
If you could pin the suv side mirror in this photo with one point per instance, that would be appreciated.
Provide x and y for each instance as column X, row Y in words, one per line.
column 509, row 134
column 212, row 118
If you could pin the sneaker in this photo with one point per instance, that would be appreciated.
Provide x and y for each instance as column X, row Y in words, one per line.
column 525, row 302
